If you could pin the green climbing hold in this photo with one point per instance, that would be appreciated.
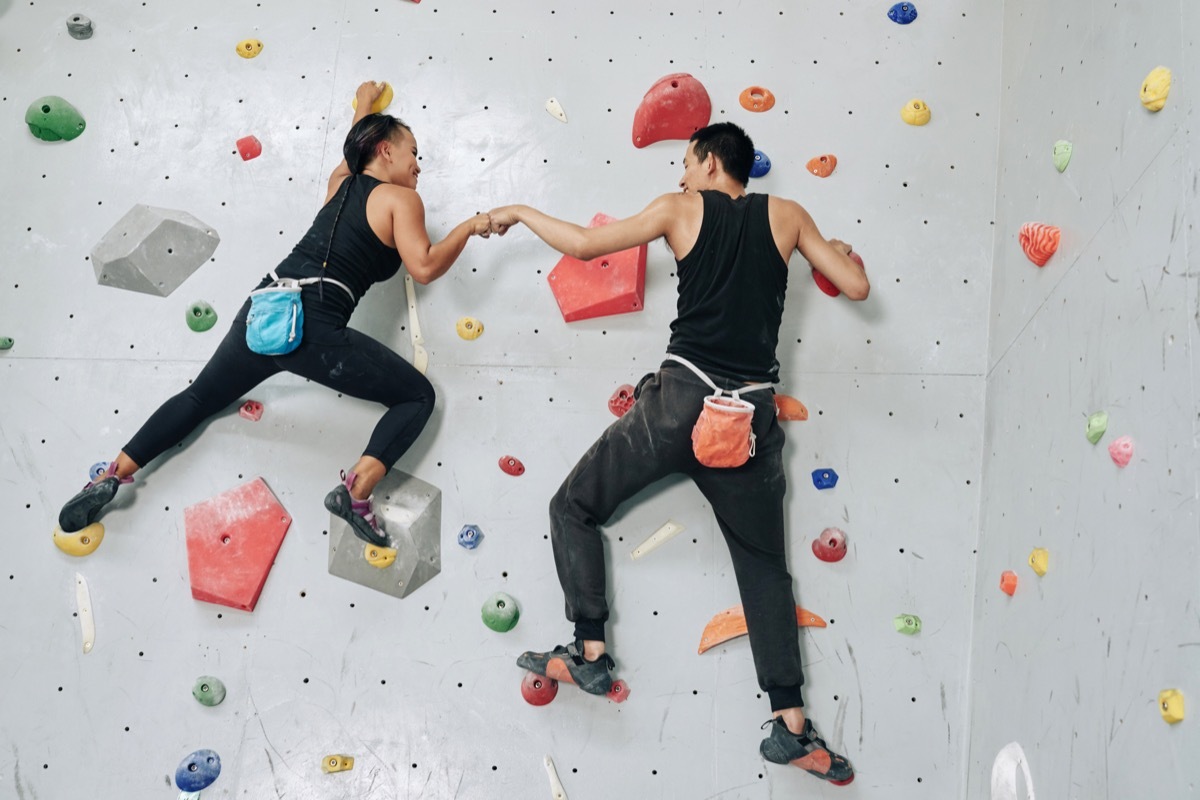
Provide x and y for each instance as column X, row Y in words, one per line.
column 1062, row 154
column 201, row 316
column 1097, row 425
column 907, row 623
column 500, row 612
column 53, row 119
column 209, row 690
column 6, row 342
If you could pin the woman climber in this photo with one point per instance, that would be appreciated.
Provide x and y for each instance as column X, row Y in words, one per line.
column 383, row 229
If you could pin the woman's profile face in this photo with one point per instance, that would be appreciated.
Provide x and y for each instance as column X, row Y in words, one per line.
column 402, row 165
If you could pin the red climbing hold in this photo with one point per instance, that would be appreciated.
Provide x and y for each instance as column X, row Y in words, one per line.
column 826, row 285
column 675, row 107
column 830, row 545
column 232, row 540
column 611, row 284
column 512, row 466
column 538, row 690
column 249, row 147
column 251, row 410
column 621, row 401
column 1039, row 241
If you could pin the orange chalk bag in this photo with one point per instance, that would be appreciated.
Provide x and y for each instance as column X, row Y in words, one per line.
column 723, row 436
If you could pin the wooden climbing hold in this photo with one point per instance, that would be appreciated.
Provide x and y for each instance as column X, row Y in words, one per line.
column 757, row 99
column 822, row 166
column 82, row 542
column 676, row 106
column 731, row 623
column 1039, row 241
column 789, row 409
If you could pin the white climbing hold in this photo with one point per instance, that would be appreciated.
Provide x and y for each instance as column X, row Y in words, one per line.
column 1008, row 761
column 556, row 110
column 557, row 792
column 669, row 529
column 87, row 624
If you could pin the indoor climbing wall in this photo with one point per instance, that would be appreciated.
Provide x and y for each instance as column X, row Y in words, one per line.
column 1071, row 666
column 417, row 689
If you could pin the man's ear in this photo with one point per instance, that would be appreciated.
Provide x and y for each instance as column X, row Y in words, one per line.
column 711, row 165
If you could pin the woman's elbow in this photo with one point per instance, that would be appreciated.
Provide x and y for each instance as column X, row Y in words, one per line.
column 859, row 291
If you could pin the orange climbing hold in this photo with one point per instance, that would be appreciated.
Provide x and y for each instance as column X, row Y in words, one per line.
column 731, row 623
column 675, row 107
column 822, row 166
column 789, row 409
column 1008, row 582
column 611, row 284
column 756, row 98
column 1039, row 241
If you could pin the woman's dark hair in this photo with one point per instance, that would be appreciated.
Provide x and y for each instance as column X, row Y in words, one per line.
column 365, row 136
column 732, row 147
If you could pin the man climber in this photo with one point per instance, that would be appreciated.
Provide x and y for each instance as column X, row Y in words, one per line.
column 732, row 251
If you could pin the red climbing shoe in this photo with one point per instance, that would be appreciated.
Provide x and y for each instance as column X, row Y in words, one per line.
column 805, row 750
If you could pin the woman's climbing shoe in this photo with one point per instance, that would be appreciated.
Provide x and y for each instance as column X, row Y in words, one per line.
column 82, row 509
column 805, row 750
column 567, row 664
column 356, row 513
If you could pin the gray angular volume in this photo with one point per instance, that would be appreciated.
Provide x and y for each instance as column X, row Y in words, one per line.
column 153, row 250
column 409, row 512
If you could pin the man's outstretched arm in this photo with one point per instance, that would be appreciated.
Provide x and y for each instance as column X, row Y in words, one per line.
column 587, row 243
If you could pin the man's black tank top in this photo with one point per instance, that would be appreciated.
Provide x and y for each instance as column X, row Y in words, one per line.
column 731, row 291
column 357, row 257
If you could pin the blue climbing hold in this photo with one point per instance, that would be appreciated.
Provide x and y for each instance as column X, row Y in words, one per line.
column 98, row 469
column 824, row 478
column 902, row 13
column 197, row 772
column 469, row 536
column 761, row 165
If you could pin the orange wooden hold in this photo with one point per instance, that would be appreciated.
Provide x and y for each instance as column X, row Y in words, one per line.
column 822, row 166
column 1039, row 241
column 756, row 98
column 232, row 540
column 611, row 284
column 731, row 623
column 789, row 409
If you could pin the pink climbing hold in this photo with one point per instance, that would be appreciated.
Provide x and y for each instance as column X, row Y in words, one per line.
column 621, row 400
column 251, row 410
column 1039, row 241
column 512, row 466
column 675, row 107
column 830, row 545
column 1121, row 451
column 249, row 147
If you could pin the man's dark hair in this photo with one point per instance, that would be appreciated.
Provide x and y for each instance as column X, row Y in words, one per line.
column 732, row 147
column 365, row 137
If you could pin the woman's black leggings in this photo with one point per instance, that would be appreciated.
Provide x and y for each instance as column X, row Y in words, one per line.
column 329, row 354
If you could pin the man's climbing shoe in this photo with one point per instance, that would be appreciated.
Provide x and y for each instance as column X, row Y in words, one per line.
column 356, row 513
column 805, row 750
column 567, row 664
column 82, row 509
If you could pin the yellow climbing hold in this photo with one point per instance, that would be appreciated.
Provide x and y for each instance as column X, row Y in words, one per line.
column 1155, row 88
column 379, row 557
column 1170, row 704
column 80, row 543
column 383, row 101
column 916, row 112
column 249, row 48
column 1039, row 560
column 469, row 328
column 337, row 763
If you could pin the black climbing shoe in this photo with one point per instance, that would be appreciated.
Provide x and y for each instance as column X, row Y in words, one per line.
column 806, row 751
column 566, row 664
column 82, row 509
column 342, row 505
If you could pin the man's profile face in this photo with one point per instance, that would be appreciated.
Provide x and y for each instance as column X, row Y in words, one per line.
column 692, row 172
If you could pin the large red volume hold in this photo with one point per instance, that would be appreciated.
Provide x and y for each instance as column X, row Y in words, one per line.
column 610, row 284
